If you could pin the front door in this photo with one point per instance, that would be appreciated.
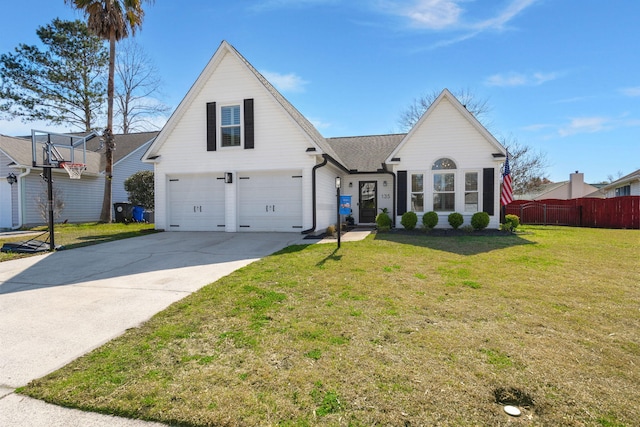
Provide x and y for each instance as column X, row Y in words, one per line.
column 368, row 204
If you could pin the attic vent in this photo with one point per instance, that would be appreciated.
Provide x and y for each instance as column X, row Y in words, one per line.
column 311, row 149
column 497, row 155
column 395, row 159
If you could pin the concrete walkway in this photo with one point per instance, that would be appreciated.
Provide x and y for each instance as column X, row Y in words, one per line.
column 58, row 306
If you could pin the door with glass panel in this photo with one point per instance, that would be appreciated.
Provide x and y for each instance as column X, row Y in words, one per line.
column 368, row 201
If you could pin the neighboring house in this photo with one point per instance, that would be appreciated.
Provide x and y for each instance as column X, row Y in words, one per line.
column 126, row 159
column 628, row 185
column 237, row 156
column 575, row 188
column 21, row 202
column 82, row 198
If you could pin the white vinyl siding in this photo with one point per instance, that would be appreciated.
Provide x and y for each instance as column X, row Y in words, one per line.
column 82, row 198
column 446, row 133
column 123, row 169
column 280, row 144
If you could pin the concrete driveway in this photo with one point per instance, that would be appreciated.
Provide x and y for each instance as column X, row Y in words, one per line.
column 57, row 307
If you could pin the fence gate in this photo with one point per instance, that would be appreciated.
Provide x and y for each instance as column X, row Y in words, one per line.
column 546, row 214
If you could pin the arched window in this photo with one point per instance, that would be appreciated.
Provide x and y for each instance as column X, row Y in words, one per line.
column 444, row 185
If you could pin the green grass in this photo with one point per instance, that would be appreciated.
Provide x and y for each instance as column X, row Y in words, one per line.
column 78, row 235
column 394, row 330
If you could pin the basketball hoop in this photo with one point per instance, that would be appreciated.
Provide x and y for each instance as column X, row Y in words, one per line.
column 74, row 169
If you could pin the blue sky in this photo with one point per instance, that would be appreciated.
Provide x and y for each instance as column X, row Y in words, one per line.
column 562, row 76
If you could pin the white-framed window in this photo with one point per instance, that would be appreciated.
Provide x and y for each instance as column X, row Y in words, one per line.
column 471, row 200
column 230, row 126
column 417, row 192
column 444, row 185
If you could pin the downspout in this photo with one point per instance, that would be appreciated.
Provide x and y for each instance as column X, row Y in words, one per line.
column 20, row 201
column 313, row 195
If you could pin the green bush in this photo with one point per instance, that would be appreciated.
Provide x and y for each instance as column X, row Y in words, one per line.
column 409, row 220
column 455, row 220
column 511, row 222
column 480, row 220
column 383, row 221
column 139, row 186
column 430, row 219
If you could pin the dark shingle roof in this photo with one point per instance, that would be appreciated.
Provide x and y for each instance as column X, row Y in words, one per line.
column 364, row 153
column 125, row 143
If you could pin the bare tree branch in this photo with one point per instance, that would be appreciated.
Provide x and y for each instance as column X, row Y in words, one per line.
column 136, row 89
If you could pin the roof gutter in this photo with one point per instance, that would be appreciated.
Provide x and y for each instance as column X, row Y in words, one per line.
column 313, row 194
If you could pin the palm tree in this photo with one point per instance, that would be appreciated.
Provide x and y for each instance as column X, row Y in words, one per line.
column 111, row 20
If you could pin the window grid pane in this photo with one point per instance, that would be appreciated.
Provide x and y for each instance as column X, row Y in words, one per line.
column 230, row 115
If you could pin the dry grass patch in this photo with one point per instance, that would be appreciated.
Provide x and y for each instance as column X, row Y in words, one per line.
column 395, row 330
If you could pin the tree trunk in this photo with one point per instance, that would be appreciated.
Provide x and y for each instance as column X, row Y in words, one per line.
column 110, row 145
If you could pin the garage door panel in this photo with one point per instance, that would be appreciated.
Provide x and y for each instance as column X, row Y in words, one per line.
column 196, row 203
column 270, row 202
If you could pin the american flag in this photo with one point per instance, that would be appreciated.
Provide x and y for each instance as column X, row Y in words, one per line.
column 506, row 196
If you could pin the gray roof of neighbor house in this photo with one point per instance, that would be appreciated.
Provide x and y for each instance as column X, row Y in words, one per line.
column 20, row 151
column 125, row 143
column 364, row 153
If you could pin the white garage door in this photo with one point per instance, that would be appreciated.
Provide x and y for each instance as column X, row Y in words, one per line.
column 196, row 203
column 270, row 201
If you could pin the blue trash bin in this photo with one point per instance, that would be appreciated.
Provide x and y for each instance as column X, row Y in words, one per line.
column 138, row 214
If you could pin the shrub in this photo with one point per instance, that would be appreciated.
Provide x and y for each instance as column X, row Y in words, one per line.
column 140, row 189
column 430, row 219
column 511, row 222
column 331, row 230
column 455, row 220
column 409, row 220
column 383, row 221
column 480, row 220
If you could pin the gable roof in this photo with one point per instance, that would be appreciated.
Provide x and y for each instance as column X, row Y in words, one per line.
column 463, row 111
column 627, row 179
column 225, row 48
column 365, row 153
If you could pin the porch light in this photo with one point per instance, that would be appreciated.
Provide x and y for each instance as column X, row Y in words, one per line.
column 11, row 179
column 350, row 184
column 384, row 183
column 337, row 182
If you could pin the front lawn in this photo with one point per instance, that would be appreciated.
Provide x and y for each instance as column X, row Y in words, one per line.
column 77, row 235
column 394, row 330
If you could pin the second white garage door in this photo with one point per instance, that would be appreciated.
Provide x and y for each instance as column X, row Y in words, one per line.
column 270, row 201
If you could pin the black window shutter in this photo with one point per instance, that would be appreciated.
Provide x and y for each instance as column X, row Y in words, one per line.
column 402, row 192
column 248, row 124
column 488, row 175
column 211, row 126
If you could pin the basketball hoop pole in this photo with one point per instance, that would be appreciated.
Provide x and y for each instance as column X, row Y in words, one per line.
column 49, row 176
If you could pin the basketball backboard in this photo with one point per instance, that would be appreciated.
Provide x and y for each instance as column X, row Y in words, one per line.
column 51, row 150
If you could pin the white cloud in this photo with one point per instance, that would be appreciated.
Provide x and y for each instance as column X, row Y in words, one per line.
column 585, row 125
column 519, row 79
column 433, row 14
column 510, row 12
column 451, row 15
column 631, row 91
column 286, row 82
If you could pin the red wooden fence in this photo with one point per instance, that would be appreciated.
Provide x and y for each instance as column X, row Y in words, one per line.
column 617, row 212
